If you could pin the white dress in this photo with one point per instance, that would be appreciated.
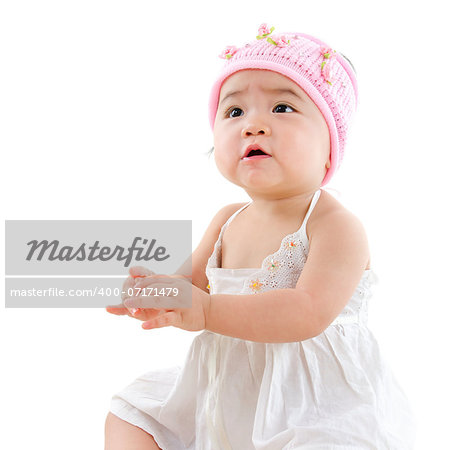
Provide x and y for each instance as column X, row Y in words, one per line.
column 333, row 391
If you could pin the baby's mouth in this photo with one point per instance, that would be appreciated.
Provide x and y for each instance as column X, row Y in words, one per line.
column 254, row 154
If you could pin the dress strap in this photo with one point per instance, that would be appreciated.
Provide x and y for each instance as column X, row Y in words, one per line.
column 311, row 208
column 234, row 215
column 215, row 258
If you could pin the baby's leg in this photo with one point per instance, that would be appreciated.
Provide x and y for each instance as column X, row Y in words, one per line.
column 121, row 435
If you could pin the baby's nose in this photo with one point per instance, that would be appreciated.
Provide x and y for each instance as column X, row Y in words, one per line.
column 255, row 129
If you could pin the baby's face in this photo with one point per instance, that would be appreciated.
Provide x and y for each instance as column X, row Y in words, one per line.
column 273, row 112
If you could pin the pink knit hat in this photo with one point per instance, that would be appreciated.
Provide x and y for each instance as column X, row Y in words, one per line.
column 324, row 74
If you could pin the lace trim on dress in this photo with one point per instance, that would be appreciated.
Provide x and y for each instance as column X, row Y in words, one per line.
column 280, row 269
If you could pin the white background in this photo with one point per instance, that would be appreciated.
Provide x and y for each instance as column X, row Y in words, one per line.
column 104, row 116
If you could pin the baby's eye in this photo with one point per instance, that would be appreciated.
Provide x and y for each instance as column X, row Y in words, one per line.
column 230, row 112
column 282, row 108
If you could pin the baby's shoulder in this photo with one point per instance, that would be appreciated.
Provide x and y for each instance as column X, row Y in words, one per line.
column 225, row 213
column 332, row 220
column 329, row 212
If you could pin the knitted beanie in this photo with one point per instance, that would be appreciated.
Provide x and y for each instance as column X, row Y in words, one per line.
column 324, row 74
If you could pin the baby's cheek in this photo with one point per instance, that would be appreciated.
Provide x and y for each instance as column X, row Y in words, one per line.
column 227, row 166
column 223, row 160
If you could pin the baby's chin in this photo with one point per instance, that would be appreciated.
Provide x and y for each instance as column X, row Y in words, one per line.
column 266, row 191
column 259, row 183
column 281, row 190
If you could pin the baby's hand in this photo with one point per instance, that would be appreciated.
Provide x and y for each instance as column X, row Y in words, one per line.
column 192, row 318
column 136, row 273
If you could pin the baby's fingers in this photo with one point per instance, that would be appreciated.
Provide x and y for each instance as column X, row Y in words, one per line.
column 148, row 313
column 136, row 313
column 118, row 310
column 136, row 272
column 127, row 287
column 140, row 271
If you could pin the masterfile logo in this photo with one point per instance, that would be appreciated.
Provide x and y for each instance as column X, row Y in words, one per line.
column 53, row 251
column 83, row 263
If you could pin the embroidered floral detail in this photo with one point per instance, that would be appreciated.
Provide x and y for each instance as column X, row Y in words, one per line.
column 280, row 41
column 328, row 73
column 326, row 66
column 255, row 285
column 228, row 52
column 291, row 244
column 263, row 31
column 273, row 265
column 327, row 52
column 208, row 287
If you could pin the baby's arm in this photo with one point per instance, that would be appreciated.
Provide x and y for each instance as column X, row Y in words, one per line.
column 193, row 269
column 338, row 254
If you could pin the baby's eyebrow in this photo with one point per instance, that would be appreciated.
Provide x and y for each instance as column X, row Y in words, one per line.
column 275, row 91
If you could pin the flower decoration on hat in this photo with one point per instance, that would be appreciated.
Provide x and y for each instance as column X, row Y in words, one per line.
column 280, row 41
column 264, row 32
column 326, row 66
column 228, row 52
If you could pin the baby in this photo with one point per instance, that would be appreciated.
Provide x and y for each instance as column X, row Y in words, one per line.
column 280, row 285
